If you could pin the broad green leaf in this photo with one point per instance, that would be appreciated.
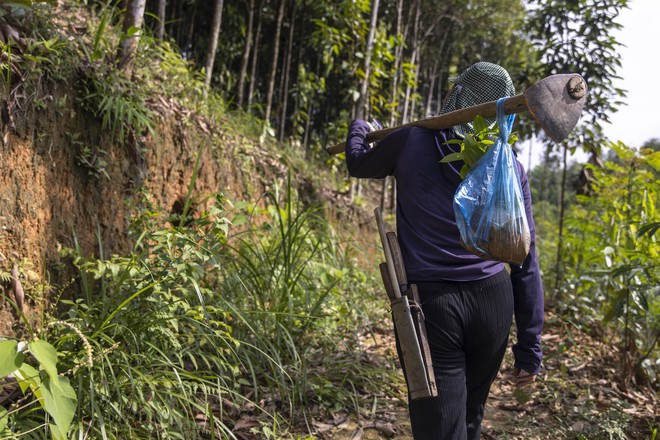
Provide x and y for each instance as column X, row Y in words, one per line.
column 471, row 154
column 56, row 432
column 464, row 170
column 469, row 140
column 4, row 419
column 132, row 31
column 28, row 377
column 654, row 160
column 617, row 304
column 10, row 359
column 621, row 150
column 480, row 124
column 452, row 157
column 60, row 401
column 46, row 355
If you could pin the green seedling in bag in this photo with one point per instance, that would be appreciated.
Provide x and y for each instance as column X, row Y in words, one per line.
column 474, row 146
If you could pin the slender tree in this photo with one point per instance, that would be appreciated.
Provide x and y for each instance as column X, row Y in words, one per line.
column 213, row 42
column 162, row 7
column 362, row 109
column 255, row 57
column 245, row 59
column 273, row 64
column 131, row 35
column 396, row 70
column 388, row 183
column 413, row 60
column 287, row 74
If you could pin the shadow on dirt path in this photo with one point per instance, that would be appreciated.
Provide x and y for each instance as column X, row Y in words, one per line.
column 579, row 395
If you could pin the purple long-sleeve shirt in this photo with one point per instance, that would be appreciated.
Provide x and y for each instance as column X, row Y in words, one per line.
column 426, row 225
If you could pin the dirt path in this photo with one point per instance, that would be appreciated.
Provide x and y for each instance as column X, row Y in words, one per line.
column 501, row 413
column 579, row 394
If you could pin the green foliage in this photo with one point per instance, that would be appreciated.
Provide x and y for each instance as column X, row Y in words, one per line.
column 41, row 54
column 287, row 283
column 34, row 55
column 11, row 358
column 5, row 277
column 103, row 39
column 164, row 347
column 92, row 158
column 47, row 388
column 164, row 72
column 546, row 185
column 119, row 104
column 200, row 323
column 612, row 258
column 578, row 36
column 308, row 85
column 474, row 146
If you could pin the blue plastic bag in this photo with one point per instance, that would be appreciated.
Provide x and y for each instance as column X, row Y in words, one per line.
column 489, row 205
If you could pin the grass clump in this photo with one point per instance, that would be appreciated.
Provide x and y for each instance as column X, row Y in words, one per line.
column 224, row 317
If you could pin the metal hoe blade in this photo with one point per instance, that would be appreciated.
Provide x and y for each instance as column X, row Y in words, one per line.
column 567, row 93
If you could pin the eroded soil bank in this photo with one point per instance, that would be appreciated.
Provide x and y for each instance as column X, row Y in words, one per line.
column 51, row 200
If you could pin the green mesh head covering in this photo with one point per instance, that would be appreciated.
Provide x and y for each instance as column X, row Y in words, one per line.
column 481, row 82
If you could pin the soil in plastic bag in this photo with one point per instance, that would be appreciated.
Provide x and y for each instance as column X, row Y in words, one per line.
column 489, row 205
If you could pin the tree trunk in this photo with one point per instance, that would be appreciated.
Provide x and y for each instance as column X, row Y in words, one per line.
column 273, row 64
column 287, row 75
column 255, row 59
column 362, row 104
column 179, row 26
column 213, row 42
column 405, row 117
column 162, row 7
column 128, row 47
column 433, row 76
column 396, row 74
column 398, row 52
column 413, row 61
column 416, row 93
column 308, row 125
column 439, row 65
column 446, row 60
column 310, row 110
column 295, row 117
column 191, row 33
column 393, row 197
column 240, row 85
column 529, row 154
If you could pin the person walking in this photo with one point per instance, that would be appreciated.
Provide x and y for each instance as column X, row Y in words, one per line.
column 468, row 302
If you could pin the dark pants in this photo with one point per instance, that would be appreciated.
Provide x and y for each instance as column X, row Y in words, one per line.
column 467, row 325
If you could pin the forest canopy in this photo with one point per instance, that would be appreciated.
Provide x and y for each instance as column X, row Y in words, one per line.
column 307, row 67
